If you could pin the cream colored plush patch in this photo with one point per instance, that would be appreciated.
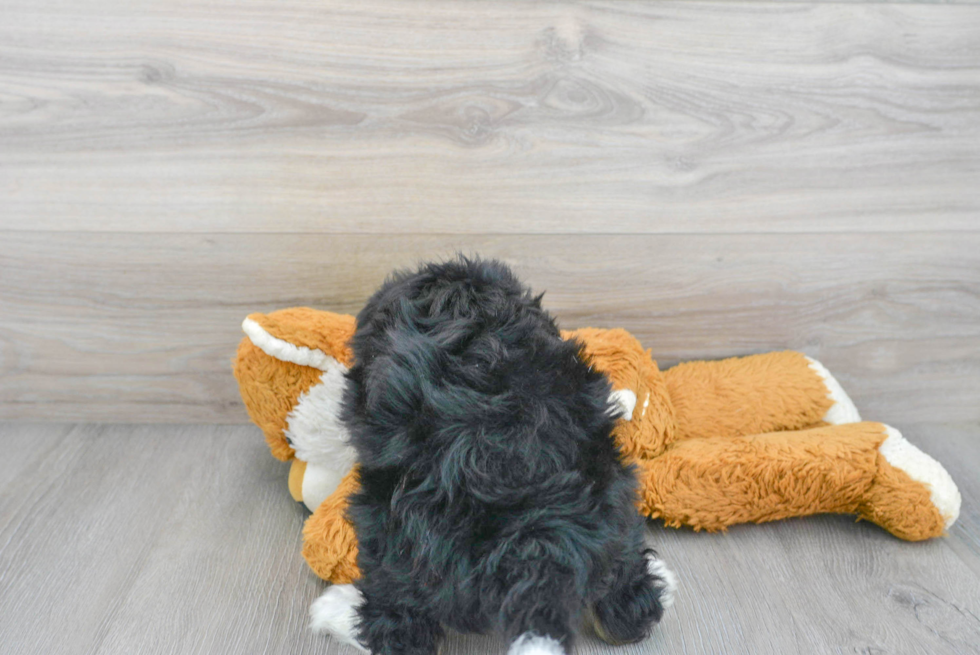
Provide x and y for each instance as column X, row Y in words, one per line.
column 843, row 409
column 319, row 437
column 314, row 428
column 625, row 402
column 319, row 482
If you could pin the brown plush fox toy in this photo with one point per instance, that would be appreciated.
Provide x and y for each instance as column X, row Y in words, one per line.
column 747, row 439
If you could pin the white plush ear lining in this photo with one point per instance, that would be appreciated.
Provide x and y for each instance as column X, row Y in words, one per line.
column 285, row 351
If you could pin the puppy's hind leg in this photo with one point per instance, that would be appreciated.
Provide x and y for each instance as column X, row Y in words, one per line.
column 392, row 625
column 335, row 612
column 643, row 587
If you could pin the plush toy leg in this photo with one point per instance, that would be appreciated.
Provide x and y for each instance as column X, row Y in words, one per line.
column 329, row 541
column 866, row 469
column 753, row 395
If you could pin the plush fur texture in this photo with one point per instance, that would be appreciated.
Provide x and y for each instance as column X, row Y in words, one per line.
column 493, row 495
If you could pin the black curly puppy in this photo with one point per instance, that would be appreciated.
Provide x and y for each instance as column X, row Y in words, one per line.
column 493, row 495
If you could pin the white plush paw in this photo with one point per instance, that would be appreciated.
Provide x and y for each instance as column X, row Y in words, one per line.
column 625, row 402
column 530, row 643
column 920, row 467
column 335, row 612
column 843, row 409
column 666, row 580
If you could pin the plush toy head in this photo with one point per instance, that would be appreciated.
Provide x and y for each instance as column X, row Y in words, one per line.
column 290, row 370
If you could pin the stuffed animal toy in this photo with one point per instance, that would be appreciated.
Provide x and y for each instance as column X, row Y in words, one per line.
column 715, row 443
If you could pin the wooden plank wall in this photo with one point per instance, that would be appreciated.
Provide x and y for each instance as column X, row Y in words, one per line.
column 720, row 178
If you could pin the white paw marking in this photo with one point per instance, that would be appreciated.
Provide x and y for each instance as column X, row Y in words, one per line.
column 530, row 643
column 335, row 612
column 843, row 409
column 666, row 580
column 922, row 468
column 625, row 402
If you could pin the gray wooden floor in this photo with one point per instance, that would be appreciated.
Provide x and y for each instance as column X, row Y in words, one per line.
column 183, row 539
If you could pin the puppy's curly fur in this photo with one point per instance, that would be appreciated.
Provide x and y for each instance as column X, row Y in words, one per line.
column 492, row 493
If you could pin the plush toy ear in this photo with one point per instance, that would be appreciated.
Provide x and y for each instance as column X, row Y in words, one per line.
column 284, row 354
column 303, row 336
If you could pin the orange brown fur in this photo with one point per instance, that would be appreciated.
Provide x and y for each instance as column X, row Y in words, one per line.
column 775, row 391
column 903, row 505
column 329, row 542
column 270, row 389
column 311, row 328
column 620, row 356
column 715, row 482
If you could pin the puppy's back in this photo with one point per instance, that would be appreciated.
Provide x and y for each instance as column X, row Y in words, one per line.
column 485, row 444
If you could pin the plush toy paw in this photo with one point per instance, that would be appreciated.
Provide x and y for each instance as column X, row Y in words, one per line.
column 912, row 496
column 843, row 409
column 623, row 402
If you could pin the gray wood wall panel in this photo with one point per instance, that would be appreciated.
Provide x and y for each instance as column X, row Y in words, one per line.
column 561, row 117
column 183, row 539
column 142, row 327
column 718, row 177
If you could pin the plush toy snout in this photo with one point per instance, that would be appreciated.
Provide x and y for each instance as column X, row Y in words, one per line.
column 311, row 484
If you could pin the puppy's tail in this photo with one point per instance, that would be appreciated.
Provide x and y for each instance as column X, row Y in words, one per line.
column 541, row 602
column 335, row 612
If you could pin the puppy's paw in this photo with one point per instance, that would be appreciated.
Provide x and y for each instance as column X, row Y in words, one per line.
column 335, row 612
column 628, row 613
column 530, row 643
column 664, row 579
